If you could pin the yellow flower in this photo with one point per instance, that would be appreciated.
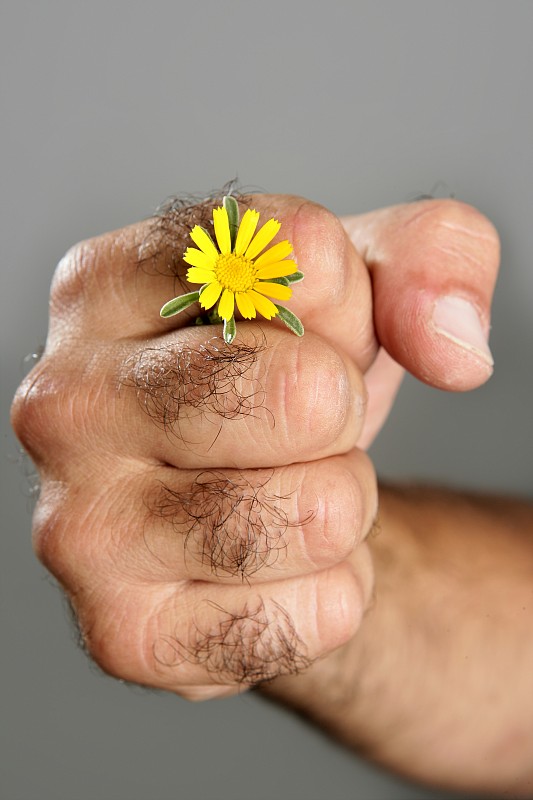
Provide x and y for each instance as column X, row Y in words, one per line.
column 239, row 275
column 238, row 270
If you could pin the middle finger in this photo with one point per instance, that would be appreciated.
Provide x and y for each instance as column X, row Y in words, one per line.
column 192, row 401
column 257, row 525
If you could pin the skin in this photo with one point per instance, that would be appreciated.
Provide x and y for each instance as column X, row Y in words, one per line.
column 214, row 536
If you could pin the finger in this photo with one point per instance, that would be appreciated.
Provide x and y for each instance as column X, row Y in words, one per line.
column 151, row 525
column 110, row 288
column 304, row 401
column 434, row 265
column 195, row 634
column 192, row 402
column 113, row 285
column 241, row 526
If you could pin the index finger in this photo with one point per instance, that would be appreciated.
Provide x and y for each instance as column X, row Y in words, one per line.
column 116, row 284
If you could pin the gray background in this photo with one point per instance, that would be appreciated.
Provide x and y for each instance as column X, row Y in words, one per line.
column 107, row 108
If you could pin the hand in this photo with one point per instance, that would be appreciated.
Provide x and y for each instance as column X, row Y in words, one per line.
column 203, row 546
column 198, row 500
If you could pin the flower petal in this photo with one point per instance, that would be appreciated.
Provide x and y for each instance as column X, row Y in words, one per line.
column 196, row 258
column 245, row 305
column 198, row 275
column 226, row 305
column 246, row 230
column 265, row 306
column 210, row 295
column 204, row 242
column 220, row 218
column 276, row 253
column 276, row 290
column 263, row 237
column 278, row 270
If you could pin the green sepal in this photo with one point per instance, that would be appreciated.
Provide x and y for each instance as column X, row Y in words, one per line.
column 291, row 320
column 232, row 207
column 229, row 330
column 285, row 280
column 296, row 277
column 214, row 317
column 179, row 304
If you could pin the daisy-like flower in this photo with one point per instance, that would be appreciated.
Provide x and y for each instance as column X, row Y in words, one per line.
column 237, row 271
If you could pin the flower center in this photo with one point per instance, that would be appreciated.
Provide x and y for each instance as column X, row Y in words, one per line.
column 236, row 273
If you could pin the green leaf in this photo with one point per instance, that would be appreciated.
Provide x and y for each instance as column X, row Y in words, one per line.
column 291, row 320
column 284, row 281
column 179, row 304
column 296, row 277
column 232, row 207
column 229, row 331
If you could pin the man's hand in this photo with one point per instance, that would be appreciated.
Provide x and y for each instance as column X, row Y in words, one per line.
column 204, row 505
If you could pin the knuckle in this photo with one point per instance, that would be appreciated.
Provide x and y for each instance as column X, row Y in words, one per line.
column 21, row 409
column 316, row 395
column 33, row 407
column 319, row 238
column 459, row 228
column 93, row 266
column 44, row 410
column 339, row 605
column 114, row 634
column 78, row 529
column 105, row 645
column 340, row 507
column 326, row 526
column 64, row 405
column 62, row 535
column 48, row 529
column 466, row 217
column 70, row 277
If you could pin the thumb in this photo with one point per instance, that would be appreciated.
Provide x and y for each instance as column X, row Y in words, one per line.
column 433, row 266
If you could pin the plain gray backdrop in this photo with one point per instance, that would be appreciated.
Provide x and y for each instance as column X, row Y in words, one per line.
column 108, row 108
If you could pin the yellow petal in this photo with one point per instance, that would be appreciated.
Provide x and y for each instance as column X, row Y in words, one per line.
column 198, row 275
column 196, row 258
column 246, row 231
column 245, row 305
column 210, row 295
column 220, row 218
column 276, row 253
column 276, row 290
column 226, row 305
column 204, row 242
column 278, row 270
column 263, row 237
column 265, row 306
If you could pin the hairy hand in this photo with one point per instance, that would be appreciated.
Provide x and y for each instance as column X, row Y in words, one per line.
column 203, row 504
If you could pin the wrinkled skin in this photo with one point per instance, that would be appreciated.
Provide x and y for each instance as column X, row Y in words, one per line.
column 206, row 507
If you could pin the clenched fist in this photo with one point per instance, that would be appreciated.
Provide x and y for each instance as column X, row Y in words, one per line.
column 205, row 506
